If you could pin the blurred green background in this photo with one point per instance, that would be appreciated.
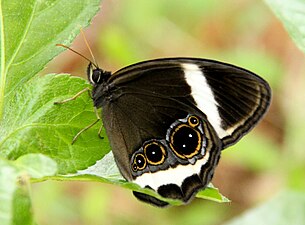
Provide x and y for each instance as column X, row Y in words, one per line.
column 243, row 32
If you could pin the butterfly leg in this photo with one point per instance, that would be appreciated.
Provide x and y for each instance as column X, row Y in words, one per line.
column 74, row 97
column 89, row 126
column 95, row 110
column 83, row 130
column 102, row 126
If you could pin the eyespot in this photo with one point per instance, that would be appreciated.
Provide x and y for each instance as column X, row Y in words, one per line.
column 155, row 153
column 185, row 141
column 139, row 162
column 134, row 167
column 193, row 121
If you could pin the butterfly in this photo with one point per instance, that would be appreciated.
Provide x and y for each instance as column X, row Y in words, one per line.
column 168, row 119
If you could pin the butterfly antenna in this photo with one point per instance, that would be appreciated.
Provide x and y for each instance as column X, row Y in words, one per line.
column 88, row 46
column 72, row 50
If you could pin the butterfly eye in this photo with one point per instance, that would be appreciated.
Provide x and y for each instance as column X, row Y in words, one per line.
column 185, row 141
column 155, row 153
column 193, row 121
column 94, row 75
column 139, row 162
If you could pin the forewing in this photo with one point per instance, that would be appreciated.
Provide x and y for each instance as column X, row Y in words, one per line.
column 232, row 98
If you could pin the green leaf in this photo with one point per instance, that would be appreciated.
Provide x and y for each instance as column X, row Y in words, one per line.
column 30, row 30
column 16, row 207
column 41, row 126
column 8, row 186
column 22, row 206
column 29, row 121
column 286, row 208
column 106, row 171
column 211, row 193
column 292, row 15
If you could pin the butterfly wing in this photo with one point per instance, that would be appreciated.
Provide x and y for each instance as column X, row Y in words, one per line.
column 232, row 98
column 150, row 112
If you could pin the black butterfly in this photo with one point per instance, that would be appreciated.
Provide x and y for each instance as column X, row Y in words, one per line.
column 168, row 119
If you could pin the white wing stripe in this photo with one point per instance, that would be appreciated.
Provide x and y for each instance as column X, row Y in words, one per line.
column 203, row 96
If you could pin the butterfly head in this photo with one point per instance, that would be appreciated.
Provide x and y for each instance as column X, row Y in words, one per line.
column 96, row 75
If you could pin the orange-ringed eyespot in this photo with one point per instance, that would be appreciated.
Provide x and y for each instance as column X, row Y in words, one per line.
column 185, row 141
column 155, row 153
column 193, row 121
column 139, row 162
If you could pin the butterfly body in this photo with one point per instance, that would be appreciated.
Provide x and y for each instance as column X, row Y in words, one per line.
column 167, row 120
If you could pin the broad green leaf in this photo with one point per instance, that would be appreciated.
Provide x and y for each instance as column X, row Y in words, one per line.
column 16, row 207
column 286, row 208
column 292, row 15
column 40, row 126
column 29, row 31
column 28, row 37
column 29, row 121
